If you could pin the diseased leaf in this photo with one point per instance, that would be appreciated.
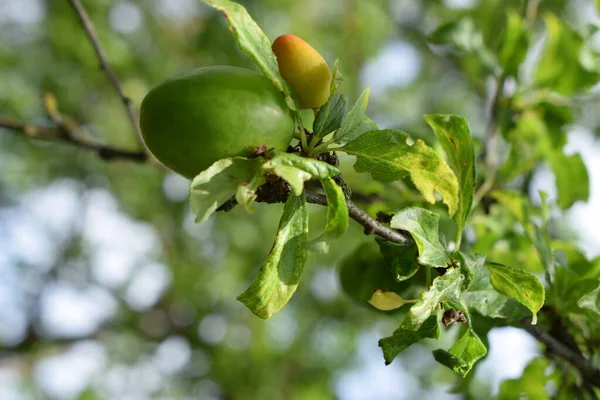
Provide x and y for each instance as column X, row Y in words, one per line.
column 218, row 183
column 293, row 169
column 246, row 192
column 455, row 138
column 315, row 168
column 253, row 41
column 443, row 287
column 400, row 259
column 423, row 227
column 519, row 285
column 402, row 338
column 463, row 355
column 356, row 122
column 337, row 212
column 591, row 301
column 279, row 276
column 482, row 298
column 292, row 175
column 330, row 115
column 387, row 156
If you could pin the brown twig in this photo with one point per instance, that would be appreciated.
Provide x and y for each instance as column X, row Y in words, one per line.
column 90, row 31
column 63, row 134
column 370, row 224
column 589, row 374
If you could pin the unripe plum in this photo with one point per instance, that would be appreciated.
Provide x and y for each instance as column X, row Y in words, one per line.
column 192, row 120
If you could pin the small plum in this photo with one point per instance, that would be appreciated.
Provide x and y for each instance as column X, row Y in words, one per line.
column 194, row 119
column 304, row 69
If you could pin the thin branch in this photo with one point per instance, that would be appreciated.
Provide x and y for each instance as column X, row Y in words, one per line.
column 371, row 225
column 90, row 31
column 589, row 374
column 531, row 12
column 61, row 133
column 489, row 150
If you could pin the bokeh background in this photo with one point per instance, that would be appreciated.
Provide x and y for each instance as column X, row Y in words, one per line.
column 109, row 290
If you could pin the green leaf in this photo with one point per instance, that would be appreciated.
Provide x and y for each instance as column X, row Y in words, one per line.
column 521, row 209
column 400, row 259
column 423, row 227
column 330, row 115
column 530, row 385
column 317, row 169
column 337, row 212
column 567, row 66
column 401, row 339
column 253, row 41
column 515, row 43
column 279, row 276
column 218, row 183
column 528, row 140
column 387, row 156
column 364, row 271
column 515, row 203
column 443, row 287
column 292, row 175
column 246, row 192
column 471, row 265
column 572, row 181
column 455, row 138
column 482, row 298
column 463, row 355
column 356, row 122
column 464, row 37
column 567, row 290
column 293, row 169
column 591, row 301
column 336, row 77
column 519, row 285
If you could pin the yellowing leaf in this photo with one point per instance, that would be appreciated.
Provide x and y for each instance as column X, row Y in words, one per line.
column 385, row 300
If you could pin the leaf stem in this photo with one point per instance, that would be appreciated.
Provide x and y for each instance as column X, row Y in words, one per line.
column 322, row 148
column 428, row 280
column 312, row 144
column 303, row 140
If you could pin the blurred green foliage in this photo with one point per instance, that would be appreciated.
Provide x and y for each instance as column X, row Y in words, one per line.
column 441, row 59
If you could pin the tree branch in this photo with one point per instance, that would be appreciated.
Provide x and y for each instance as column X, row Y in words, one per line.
column 90, row 31
column 269, row 193
column 370, row 224
column 589, row 374
column 67, row 135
